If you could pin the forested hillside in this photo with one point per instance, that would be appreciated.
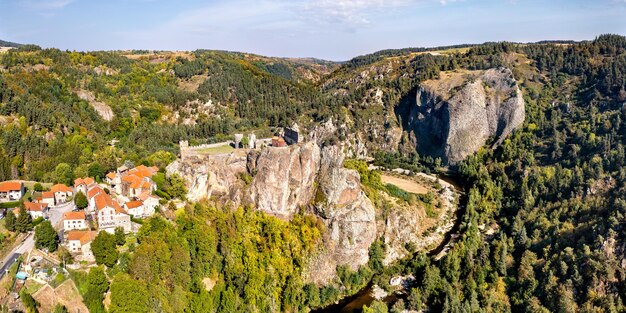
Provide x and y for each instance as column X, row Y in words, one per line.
column 67, row 107
column 543, row 226
column 554, row 191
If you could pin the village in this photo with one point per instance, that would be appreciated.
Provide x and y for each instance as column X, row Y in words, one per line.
column 77, row 213
column 115, row 204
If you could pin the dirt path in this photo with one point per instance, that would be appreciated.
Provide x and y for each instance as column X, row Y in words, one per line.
column 404, row 184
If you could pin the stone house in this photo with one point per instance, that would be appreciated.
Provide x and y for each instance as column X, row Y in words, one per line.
column 110, row 214
column 83, row 184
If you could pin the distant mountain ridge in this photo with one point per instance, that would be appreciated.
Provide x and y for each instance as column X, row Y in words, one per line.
column 9, row 44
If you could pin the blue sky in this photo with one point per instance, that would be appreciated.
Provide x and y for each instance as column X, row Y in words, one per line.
column 330, row 29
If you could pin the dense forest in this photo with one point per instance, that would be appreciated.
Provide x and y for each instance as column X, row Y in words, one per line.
column 552, row 192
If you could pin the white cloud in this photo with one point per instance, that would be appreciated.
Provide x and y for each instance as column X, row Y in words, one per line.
column 347, row 12
column 265, row 26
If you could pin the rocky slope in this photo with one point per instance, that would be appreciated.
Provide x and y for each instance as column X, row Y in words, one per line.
column 283, row 180
column 457, row 114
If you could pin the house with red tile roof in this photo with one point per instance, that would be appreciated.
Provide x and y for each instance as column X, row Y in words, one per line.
column 138, row 209
column 11, row 191
column 47, row 197
column 79, row 242
column 36, row 209
column 110, row 214
column 83, row 184
column 150, row 202
column 138, row 180
column 113, row 179
column 74, row 220
column 91, row 197
column 62, row 193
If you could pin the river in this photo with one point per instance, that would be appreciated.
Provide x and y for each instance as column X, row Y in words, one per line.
column 355, row 302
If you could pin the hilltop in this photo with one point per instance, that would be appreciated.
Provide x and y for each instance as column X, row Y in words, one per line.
column 9, row 44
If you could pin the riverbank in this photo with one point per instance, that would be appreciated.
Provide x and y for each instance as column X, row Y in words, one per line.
column 456, row 199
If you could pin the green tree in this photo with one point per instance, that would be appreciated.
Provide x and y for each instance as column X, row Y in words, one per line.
column 415, row 299
column 120, row 237
column 38, row 187
column 10, row 220
column 161, row 158
column 398, row 307
column 46, row 237
column 377, row 254
column 97, row 285
column 96, row 170
column 104, row 249
column 81, row 200
column 63, row 174
column 128, row 295
column 245, row 142
column 176, row 187
column 23, row 222
column 29, row 302
column 376, row 307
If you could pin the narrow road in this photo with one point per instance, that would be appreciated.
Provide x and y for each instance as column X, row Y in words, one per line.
column 55, row 215
column 26, row 245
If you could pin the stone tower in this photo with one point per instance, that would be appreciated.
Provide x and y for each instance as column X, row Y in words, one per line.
column 184, row 146
column 238, row 138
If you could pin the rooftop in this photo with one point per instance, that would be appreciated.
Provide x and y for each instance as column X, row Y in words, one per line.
column 85, row 236
column 7, row 186
column 36, row 207
column 74, row 215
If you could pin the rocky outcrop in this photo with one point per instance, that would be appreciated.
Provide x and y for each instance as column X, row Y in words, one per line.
column 406, row 224
column 100, row 107
column 216, row 176
column 283, row 180
column 348, row 214
column 457, row 114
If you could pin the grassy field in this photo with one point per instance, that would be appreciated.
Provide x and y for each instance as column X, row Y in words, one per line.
column 216, row 150
column 32, row 286
column 404, row 184
column 29, row 184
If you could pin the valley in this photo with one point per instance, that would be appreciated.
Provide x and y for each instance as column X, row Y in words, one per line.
column 475, row 178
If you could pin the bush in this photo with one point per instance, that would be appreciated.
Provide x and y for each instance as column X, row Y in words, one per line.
column 29, row 302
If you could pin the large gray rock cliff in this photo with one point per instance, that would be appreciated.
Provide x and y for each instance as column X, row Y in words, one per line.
column 457, row 114
column 285, row 180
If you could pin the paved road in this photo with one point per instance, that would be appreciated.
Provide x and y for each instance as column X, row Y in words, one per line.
column 5, row 266
column 55, row 215
column 26, row 245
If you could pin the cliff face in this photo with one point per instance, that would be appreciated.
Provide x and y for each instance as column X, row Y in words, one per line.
column 348, row 214
column 457, row 114
column 283, row 180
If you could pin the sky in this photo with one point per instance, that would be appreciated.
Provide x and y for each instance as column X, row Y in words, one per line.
column 327, row 29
